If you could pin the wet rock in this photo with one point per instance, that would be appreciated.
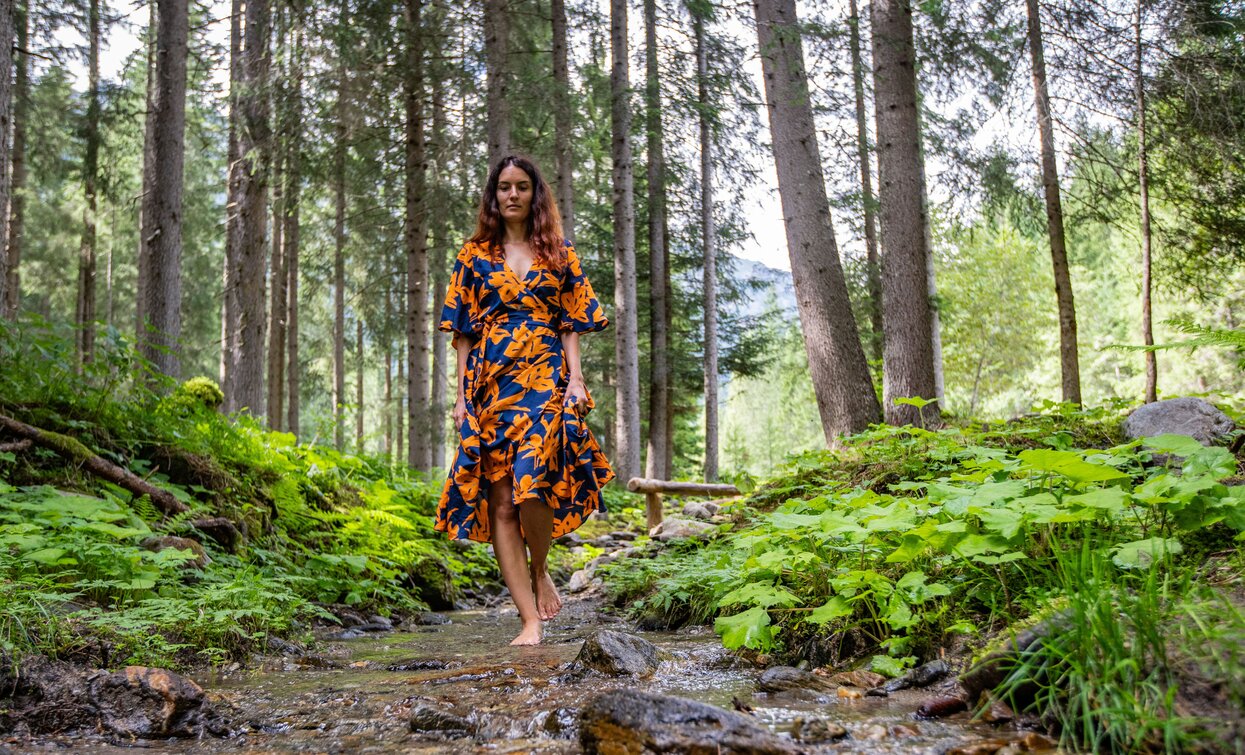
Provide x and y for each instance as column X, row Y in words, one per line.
column 374, row 626
column 580, row 580
column 994, row 711
column 220, row 529
column 1182, row 416
column 603, row 541
column 984, row 747
column 656, row 621
column 680, row 529
column 419, row 664
column 990, row 671
column 618, row 654
column 382, row 620
column 570, row 539
column 941, row 707
column 48, row 697
column 623, row 536
column 815, row 730
column 631, row 721
column 283, row 647
column 783, row 678
column 431, row 579
column 872, row 732
column 703, row 510
column 849, row 693
column 560, row 723
column 859, row 678
column 921, row 676
column 165, row 542
column 429, row 718
column 428, row 619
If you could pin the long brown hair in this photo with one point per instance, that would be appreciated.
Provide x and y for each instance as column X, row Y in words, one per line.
column 544, row 223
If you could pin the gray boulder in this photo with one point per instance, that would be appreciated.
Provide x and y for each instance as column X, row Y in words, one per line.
column 630, row 721
column 680, row 529
column 618, row 654
column 783, row 678
column 580, row 580
column 703, row 510
column 1181, row 416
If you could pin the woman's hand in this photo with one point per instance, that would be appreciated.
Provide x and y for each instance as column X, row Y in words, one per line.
column 460, row 411
column 575, row 390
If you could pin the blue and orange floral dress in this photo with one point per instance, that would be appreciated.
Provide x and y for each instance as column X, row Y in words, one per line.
column 516, row 380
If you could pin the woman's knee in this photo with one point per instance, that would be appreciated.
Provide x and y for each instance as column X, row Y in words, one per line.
column 501, row 504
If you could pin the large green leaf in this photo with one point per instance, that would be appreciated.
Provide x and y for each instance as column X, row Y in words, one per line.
column 750, row 629
column 1140, row 554
column 1171, row 443
column 1068, row 464
column 759, row 594
column 835, row 608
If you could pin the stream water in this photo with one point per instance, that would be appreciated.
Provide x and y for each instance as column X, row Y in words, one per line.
column 356, row 695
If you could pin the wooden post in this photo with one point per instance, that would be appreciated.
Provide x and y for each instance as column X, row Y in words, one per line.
column 653, row 504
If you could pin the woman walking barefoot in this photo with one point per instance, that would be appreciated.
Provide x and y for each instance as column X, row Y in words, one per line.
column 527, row 469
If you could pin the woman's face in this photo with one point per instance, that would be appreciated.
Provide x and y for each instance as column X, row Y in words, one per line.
column 514, row 194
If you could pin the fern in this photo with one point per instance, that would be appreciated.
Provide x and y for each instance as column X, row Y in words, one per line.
column 1203, row 335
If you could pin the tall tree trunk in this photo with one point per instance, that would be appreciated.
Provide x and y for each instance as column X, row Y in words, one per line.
column 1069, row 362
column 497, row 73
column 907, row 345
column 141, row 262
column 386, row 411
column 358, row 386
column 659, row 254
column 564, row 153
column 10, row 268
column 293, row 194
column 8, row 21
column 339, row 242
column 230, row 321
column 85, row 311
column 708, row 236
column 255, row 148
column 400, row 432
column 440, row 263
column 278, row 277
column 873, row 273
column 415, row 241
column 626, row 333
column 1143, row 176
column 161, row 235
column 844, row 390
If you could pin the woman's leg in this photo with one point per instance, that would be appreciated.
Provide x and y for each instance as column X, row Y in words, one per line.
column 512, row 558
column 537, row 521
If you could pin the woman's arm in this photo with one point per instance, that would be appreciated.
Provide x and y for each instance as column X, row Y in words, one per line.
column 570, row 348
column 462, row 345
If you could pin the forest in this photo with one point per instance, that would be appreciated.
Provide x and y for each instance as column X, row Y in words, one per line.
column 908, row 276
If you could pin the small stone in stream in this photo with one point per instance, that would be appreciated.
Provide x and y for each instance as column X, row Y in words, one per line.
column 874, row 732
column 427, row 718
column 941, row 707
column 377, row 619
column 374, row 626
column 418, row 664
column 569, row 539
column 783, row 678
column 579, row 581
column 680, row 529
column 283, row 647
column 700, row 510
column 631, row 721
column 994, row 711
column 618, row 654
column 850, row 693
column 900, row 731
column 169, row 542
column 560, row 723
column 429, row 618
column 858, row 678
column 815, row 730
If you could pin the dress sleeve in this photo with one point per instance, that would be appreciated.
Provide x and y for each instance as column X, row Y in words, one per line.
column 461, row 313
column 581, row 312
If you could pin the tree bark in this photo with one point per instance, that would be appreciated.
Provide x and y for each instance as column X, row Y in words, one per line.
column 415, row 241
column 845, row 397
column 873, row 274
column 708, row 236
column 85, row 312
column 907, row 337
column 400, row 432
column 564, row 153
column 1069, row 363
column 278, row 275
column 386, row 411
column 339, row 241
column 359, row 412
column 440, row 263
column 161, row 234
column 230, row 321
column 497, row 74
column 1143, row 176
column 255, row 149
column 659, row 254
column 627, row 328
column 7, row 29
column 10, row 268
column 293, row 195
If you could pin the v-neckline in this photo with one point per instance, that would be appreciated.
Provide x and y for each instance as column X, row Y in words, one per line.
column 523, row 278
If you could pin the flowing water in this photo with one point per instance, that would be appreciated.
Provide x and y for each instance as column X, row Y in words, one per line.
column 354, row 696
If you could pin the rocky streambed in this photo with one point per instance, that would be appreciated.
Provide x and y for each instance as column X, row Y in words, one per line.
column 595, row 685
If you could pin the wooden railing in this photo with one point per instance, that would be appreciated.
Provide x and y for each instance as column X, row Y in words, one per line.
column 653, row 489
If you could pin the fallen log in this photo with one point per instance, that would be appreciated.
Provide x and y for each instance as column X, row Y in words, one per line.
column 75, row 452
column 15, row 446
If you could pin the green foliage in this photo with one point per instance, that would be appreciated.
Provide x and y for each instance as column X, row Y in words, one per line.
column 906, row 536
column 324, row 527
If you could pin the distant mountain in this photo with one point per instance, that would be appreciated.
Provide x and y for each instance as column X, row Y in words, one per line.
column 777, row 284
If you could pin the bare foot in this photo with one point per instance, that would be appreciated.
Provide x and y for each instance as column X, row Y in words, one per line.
column 529, row 636
column 548, row 603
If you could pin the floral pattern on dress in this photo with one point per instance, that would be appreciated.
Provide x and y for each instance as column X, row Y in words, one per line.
column 516, row 381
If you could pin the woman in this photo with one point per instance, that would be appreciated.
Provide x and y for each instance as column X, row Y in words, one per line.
column 527, row 469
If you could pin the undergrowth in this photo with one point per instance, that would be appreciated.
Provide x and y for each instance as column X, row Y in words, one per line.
column 80, row 573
